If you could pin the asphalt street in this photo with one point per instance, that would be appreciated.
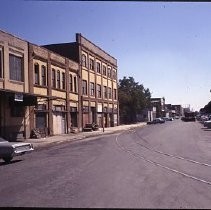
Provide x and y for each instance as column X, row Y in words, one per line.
column 157, row 166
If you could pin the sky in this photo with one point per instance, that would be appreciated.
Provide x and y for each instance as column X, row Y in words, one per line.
column 166, row 46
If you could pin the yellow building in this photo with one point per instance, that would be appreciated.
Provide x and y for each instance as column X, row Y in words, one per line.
column 38, row 90
column 98, row 79
column 54, row 80
column 53, row 88
column 15, row 96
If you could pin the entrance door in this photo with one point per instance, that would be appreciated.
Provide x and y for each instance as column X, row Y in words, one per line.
column 59, row 123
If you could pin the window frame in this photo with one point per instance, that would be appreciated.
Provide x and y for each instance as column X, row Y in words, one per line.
column 63, row 81
column 99, row 92
column 58, row 80
column 84, row 87
column 53, row 78
column 44, row 75
column 14, row 73
column 92, row 88
column 1, row 63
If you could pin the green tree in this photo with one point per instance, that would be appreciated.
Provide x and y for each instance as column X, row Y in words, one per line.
column 133, row 98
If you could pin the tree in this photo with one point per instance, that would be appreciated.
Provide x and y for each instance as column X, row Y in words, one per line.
column 133, row 98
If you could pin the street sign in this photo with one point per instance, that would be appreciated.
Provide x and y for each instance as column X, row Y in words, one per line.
column 18, row 97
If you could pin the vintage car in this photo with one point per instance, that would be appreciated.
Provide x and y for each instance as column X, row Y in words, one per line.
column 10, row 149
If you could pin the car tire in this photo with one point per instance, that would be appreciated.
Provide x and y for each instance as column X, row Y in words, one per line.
column 7, row 159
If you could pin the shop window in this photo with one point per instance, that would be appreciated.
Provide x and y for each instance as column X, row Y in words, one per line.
column 17, row 111
column 16, row 67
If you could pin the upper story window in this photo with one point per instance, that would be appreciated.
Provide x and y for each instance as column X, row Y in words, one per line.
column 75, row 84
column 53, row 78
column 98, row 67
column 109, row 72
column 109, row 93
column 84, row 61
column 104, row 70
column 91, row 64
column 105, row 92
column 58, row 80
column 1, row 64
column 114, row 75
column 44, row 78
column 16, row 67
column 36, row 74
column 115, row 94
column 99, row 91
column 71, row 82
column 63, row 81
column 92, row 88
column 84, row 87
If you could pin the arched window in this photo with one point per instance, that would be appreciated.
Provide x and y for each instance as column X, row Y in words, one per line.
column 84, row 62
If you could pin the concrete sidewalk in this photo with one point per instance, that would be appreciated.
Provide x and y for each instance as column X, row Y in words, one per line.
column 43, row 142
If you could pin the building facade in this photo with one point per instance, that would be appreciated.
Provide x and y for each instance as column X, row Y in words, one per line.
column 54, row 81
column 15, row 96
column 98, row 81
column 159, row 103
column 52, row 91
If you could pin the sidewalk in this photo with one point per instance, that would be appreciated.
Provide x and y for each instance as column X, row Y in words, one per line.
column 43, row 142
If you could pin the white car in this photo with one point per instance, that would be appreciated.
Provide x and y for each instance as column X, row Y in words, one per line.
column 10, row 149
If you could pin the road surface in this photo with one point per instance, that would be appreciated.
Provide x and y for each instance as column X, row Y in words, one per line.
column 158, row 166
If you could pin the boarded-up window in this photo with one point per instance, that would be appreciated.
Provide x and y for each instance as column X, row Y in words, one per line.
column 16, row 67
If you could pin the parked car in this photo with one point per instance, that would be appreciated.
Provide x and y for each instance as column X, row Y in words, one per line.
column 207, row 123
column 8, row 150
column 156, row 120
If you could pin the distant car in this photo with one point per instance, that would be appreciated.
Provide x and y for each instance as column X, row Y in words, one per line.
column 168, row 118
column 10, row 149
column 159, row 120
column 176, row 117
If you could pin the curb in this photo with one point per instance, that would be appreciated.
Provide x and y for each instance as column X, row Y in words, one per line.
column 81, row 136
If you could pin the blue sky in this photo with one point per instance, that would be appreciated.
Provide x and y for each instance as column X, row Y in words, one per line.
column 164, row 46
